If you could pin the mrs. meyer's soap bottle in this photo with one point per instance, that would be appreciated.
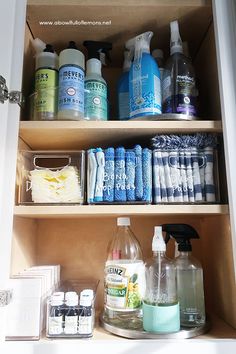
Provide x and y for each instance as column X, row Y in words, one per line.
column 124, row 274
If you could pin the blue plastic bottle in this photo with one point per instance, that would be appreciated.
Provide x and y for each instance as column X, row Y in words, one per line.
column 123, row 88
column 144, row 78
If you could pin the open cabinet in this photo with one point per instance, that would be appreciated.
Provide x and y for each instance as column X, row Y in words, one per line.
column 76, row 237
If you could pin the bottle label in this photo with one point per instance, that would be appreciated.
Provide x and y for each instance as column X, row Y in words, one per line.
column 123, row 105
column 55, row 325
column 71, row 324
column 71, row 88
column 95, row 99
column 145, row 93
column 183, row 101
column 124, row 285
column 46, row 82
column 85, row 325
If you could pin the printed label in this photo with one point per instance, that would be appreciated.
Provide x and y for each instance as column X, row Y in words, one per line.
column 46, row 82
column 124, row 285
column 85, row 325
column 123, row 105
column 55, row 325
column 143, row 98
column 71, row 88
column 71, row 324
column 96, row 100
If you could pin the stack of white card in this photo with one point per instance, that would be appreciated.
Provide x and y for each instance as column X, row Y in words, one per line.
column 27, row 311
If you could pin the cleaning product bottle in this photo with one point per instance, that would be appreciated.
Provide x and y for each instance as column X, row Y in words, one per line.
column 144, row 78
column 124, row 274
column 160, row 305
column 46, row 83
column 189, row 276
column 123, row 87
column 71, row 84
column 179, row 83
column 96, row 103
column 158, row 55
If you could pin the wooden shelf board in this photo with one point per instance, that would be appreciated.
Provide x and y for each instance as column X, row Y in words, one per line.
column 40, row 135
column 36, row 211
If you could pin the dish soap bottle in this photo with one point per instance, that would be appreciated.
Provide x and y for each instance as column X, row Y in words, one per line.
column 96, row 106
column 189, row 276
column 179, row 82
column 144, row 78
column 123, row 87
column 124, row 274
column 46, row 84
column 160, row 305
column 71, row 84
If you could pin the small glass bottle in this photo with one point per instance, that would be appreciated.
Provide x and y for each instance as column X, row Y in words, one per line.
column 71, row 313
column 56, row 314
column 86, row 319
column 160, row 307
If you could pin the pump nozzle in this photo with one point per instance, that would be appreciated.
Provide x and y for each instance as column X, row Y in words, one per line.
column 182, row 233
column 175, row 40
column 158, row 244
column 95, row 48
column 139, row 43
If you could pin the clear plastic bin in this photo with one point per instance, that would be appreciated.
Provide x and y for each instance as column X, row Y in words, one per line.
column 74, row 318
column 185, row 176
column 51, row 177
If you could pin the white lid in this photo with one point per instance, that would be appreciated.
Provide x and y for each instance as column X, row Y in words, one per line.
column 46, row 60
column 85, row 300
column 71, row 56
column 158, row 53
column 71, row 298
column 93, row 66
column 158, row 244
column 56, row 300
column 123, row 221
column 175, row 40
column 60, row 294
column 87, row 292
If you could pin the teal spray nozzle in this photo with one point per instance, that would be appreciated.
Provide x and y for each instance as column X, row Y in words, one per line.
column 182, row 233
column 95, row 49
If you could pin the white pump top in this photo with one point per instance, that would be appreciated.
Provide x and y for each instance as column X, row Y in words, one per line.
column 139, row 44
column 158, row 244
column 38, row 45
column 123, row 221
column 175, row 40
column 94, row 66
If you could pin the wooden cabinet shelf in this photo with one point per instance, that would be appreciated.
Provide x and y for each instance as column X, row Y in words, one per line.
column 40, row 135
column 36, row 211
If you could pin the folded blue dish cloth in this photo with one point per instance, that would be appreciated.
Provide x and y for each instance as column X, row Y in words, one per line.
column 130, row 174
column 147, row 174
column 120, row 176
column 109, row 175
column 138, row 173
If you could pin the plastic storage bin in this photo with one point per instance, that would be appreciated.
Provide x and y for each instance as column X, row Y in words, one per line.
column 185, row 176
column 51, row 177
column 71, row 311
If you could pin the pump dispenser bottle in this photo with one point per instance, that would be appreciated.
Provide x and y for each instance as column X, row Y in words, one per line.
column 96, row 103
column 123, row 87
column 144, row 78
column 179, row 83
column 189, row 276
column 124, row 274
column 160, row 305
column 71, row 84
column 46, row 82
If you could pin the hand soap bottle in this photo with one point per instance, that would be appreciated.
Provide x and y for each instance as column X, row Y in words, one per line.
column 189, row 276
column 160, row 305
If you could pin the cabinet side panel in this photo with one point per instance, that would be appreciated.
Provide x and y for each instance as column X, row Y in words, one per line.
column 23, row 253
column 219, row 266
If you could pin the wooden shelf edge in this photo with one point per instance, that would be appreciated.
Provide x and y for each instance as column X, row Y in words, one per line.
column 36, row 211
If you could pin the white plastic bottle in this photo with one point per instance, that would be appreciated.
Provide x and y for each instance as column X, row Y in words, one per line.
column 71, row 84
column 124, row 274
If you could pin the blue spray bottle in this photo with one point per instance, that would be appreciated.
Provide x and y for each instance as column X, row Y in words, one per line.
column 144, row 78
column 123, row 87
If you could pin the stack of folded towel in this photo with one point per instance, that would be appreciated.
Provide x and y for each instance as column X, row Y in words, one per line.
column 119, row 175
column 183, row 168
